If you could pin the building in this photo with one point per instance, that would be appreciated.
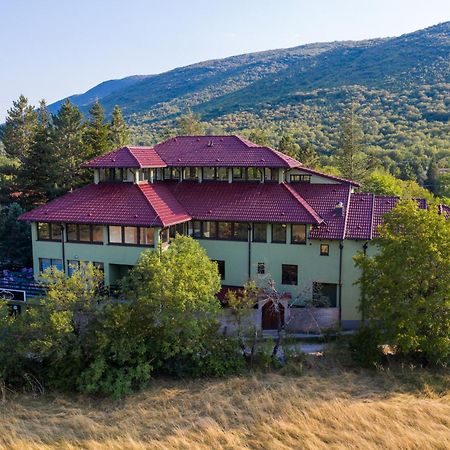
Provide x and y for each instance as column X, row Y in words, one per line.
column 256, row 211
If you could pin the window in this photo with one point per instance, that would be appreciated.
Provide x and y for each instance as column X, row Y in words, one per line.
column 279, row 233
column 131, row 235
column 298, row 234
column 260, row 232
column 49, row 231
column 296, row 178
column 253, row 174
column 270, row 174
column 209, row 230
column 84, row 233
column 171, row 173
column 238, row 173
column 224, row 230
column 221, row 268
column 165, row 235
column 325, row 295
column 261, row 268
column 115, row 235
column 209, row 173
column 176, row 229
column 221, row 174
column 45, row 263
column 240, row 231
column 72, row 232
column 146, row 236
column 196, row 229
column 190, row 173
column 117, row 174
column 324, row 249
column 289, row 274
column 72, row 266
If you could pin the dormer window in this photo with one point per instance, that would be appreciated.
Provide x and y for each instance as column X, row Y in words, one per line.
column 215, row 174
column 300, row 178
column 171, row 173
column 253, row 174
column 270, row 174
column 190, row 173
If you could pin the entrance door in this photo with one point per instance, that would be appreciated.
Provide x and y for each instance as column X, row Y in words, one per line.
column 271, row 313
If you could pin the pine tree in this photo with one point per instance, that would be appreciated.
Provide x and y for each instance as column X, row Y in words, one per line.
column 288, row 146
column 432, row 180
column 96, row 134
column 350, row 159
column 39, row 173
column 118, row 130
column 67, row 137
column 18, row 133
column 308, row 156
column 190, row 125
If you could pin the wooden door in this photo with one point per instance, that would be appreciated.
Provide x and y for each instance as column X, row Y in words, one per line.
column 271, row 315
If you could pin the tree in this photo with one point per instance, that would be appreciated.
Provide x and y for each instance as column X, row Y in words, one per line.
column 288, row 146
column 405, row 287
column 189, row 124
column 118, row 130
column 169, row 323
column 15, row 238
column 259, row 136
column 38, row 176
column 350, row 158
column 96, row 132
column 67, row 137
column 308, row 156
column 432, row 180
column 18, row 133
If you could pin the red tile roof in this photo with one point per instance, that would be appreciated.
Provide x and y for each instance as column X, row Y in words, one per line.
column 132, row 157
column 243, row 202
column 323, row 198
column 220, row 151
column 360, row 215
column 112, row 204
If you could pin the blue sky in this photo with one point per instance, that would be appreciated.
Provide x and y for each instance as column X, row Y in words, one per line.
column 54, row 48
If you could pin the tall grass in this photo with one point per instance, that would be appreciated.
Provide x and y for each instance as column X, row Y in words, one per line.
column 326, row 407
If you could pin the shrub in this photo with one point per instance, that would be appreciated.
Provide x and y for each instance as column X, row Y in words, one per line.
column 365, row 347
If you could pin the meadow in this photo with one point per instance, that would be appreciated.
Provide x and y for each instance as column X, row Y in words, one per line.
column 316, row 403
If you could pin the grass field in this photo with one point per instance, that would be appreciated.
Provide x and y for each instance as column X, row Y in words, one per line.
column 328, row 405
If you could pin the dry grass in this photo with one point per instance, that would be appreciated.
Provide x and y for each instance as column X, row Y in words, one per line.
column 324, row 408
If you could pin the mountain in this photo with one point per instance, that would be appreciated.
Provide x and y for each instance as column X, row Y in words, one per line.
column 402, row 82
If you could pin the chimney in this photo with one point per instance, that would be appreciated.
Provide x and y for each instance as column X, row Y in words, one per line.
column 339, row 209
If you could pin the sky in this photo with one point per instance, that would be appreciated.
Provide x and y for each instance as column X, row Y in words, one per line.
column 55, row 48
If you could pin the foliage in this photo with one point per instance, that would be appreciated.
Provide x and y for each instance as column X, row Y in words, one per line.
column 288, row 146
column 118, row 130
column 189, row 125
column 350, row 159
column 169, row 323
column 96, row 133
column 405, row 286
column 15, row 237
column 365, row 346
column 17, row 134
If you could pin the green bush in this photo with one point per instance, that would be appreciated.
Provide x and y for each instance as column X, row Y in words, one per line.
column 364, row 346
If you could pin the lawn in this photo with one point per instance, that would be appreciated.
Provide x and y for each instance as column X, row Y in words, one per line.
column 325, row 404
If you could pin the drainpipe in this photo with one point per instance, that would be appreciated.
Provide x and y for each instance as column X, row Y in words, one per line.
column 249, row 251
column 363, row 294
column 341, row 247
column 63, row 249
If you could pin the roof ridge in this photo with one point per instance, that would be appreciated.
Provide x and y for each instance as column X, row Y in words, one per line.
column 304, row 203
column 157, row 215
column 372, row 216
column 347, row 212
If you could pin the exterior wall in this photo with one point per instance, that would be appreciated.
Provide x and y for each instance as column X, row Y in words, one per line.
column 105, row 253
column 315, row 179
column 312, row 267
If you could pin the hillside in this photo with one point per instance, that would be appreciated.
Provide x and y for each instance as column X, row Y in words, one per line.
column 401, row 85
